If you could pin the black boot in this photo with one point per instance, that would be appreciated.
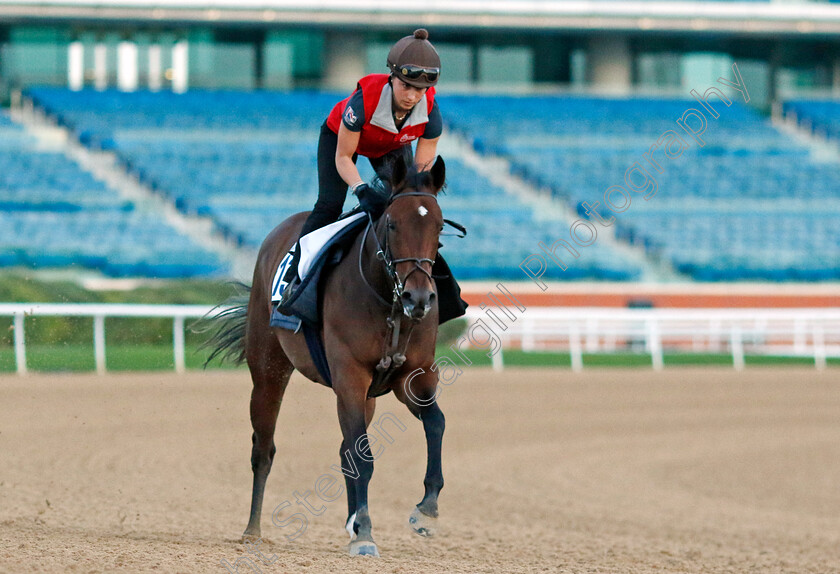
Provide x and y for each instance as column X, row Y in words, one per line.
column 292, row 282
column 450, row 304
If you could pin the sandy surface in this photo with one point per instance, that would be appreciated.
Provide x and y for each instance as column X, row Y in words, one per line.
column 546, row 471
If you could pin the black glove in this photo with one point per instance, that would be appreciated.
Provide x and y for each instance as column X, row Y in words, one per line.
column 371, row 200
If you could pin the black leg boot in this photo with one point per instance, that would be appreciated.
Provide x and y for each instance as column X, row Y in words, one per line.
column 292, row 282
column 450, row 304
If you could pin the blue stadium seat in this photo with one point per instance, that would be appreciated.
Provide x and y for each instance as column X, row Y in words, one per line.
column 55, row 214
column 248, row 160
column 703, row 217
column 749, row 205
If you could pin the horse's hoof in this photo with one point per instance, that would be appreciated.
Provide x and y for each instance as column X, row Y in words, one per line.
column 364, row 548
column 248, row 537
column 422, row 524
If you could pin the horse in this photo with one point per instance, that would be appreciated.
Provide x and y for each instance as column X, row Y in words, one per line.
column 380, row 295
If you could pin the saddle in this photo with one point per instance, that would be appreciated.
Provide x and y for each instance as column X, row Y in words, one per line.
column 321, row 250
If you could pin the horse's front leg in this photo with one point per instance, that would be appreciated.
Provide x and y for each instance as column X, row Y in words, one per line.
column 418, row 394
column 370, row 407
column 356, row 461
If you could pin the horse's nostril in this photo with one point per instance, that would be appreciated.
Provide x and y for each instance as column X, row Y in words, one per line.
column 406, row 296
column 431, row 297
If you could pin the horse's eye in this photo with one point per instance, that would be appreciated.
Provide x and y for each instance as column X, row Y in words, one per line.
column 392, row 226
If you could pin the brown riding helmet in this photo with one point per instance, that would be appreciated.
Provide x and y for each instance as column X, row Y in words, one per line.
column 415, row 61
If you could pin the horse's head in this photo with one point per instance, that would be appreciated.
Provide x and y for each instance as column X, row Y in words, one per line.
column 410, row 230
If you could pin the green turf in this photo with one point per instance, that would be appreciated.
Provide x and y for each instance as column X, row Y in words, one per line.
column 518, row 358
column 79, row 358
column 149, row 357
column 697, row 359
column 53, row 358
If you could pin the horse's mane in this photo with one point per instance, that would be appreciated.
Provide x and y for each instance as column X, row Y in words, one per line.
column 413, row 179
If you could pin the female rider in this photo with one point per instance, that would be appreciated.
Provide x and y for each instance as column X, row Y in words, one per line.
column 380, row 120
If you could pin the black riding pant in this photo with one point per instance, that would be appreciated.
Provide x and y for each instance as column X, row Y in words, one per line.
column 332, row 190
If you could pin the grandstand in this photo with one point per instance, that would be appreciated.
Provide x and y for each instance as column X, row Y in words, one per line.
column 220, row 123
column 56, row 215
column 752, row 204
column 247, row 160
column 820, row 116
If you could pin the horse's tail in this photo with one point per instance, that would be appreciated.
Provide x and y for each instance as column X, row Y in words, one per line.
column 226, row 322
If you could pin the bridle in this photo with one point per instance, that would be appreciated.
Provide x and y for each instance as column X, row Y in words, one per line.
column 383, row 253
column 393, row 351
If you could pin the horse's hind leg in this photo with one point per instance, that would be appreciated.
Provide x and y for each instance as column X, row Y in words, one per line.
column 420, row 400
column 270, row 372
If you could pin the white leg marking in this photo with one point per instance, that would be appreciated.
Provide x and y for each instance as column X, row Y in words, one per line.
column 349, row 527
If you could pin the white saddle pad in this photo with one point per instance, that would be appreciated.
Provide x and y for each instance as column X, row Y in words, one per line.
column 311, row 246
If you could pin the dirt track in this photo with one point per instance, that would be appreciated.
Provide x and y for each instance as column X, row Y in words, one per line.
column 607, row 471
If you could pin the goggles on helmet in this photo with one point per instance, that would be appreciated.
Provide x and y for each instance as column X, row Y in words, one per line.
column 411, row 72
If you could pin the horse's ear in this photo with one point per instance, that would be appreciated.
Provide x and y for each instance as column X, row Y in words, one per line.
column 438, row 172
column 398, row 172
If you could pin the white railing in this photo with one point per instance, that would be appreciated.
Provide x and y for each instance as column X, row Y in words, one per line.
column 813, row 333
column 777, row 332
column 98, row 312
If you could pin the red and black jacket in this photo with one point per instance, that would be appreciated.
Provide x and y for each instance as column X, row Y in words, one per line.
column 379, row 134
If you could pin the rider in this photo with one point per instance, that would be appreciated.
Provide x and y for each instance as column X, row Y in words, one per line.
column 379, row 120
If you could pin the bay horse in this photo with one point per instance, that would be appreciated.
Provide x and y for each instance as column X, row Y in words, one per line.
column 385, row 277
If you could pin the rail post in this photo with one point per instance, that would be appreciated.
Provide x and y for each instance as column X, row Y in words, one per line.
column 575, row 347
column 737, row 344
column 819, row 347
column 99, row 343
column 528, row 334
column 20, row 344
column 498, row 361
column 178, row 343
column 654, row 345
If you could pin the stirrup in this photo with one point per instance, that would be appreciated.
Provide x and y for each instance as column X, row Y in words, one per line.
column 288, row 295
